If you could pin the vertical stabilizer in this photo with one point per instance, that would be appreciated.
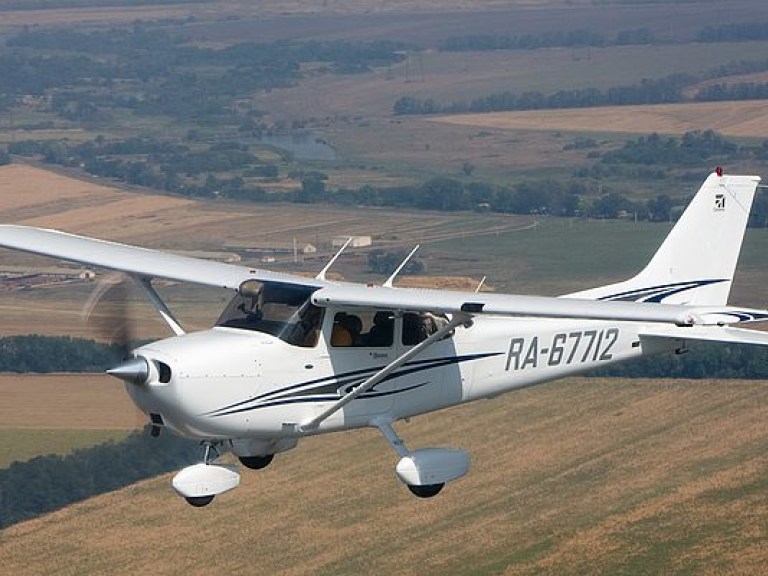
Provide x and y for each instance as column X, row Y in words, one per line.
column 696, row 261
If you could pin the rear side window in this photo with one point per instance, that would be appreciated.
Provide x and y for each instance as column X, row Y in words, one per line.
column 363, row 328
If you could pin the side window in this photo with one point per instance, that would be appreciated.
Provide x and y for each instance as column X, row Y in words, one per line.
column 364, row 328
column 418, row 326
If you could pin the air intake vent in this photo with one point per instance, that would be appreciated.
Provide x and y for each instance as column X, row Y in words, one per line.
column 164, row 372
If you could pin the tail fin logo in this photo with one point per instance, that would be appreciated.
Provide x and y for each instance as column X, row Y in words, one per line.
column 719, row 202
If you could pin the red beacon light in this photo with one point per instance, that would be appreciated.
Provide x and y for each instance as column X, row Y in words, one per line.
column 719, row 170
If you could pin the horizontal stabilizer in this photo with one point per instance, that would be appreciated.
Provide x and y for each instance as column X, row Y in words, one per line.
column 722, row 334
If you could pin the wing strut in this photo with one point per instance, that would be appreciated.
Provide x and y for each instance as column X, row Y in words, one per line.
column 321, row 274
column 159, row 305
column 457, row 320
column 391, row 279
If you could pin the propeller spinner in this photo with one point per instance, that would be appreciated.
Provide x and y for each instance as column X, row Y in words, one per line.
column 134, row 371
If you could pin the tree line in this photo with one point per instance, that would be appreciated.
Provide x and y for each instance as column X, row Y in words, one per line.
column 704, row 360
column 554, row 39
column 44, row 354
column 47, row 483
column 667, row 90
column 87, row 75
column 230, row 170
column 581, row 37
column 740, row 32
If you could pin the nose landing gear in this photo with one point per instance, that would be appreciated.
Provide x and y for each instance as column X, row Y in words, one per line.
column 200, row 483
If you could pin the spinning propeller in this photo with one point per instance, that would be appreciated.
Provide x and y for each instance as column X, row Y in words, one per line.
column 115, row 326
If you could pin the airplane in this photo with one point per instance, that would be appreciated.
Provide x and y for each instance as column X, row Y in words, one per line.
column 291, row 357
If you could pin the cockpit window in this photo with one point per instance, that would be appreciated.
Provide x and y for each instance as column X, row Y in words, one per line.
column 283, row 310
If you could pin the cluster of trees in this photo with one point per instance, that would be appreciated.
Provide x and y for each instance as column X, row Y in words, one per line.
column 663, row 90
column 47, row 483
column 43, row 354
column 385, row 262
column 230, row 170
column 586, row 197
column 145, row 69
column 734, row 32
column 161, row 164
column 666, row 90
column 689, row 150
column 560, row 38
column 704, row 360
column 735, row 91
column 583, row 37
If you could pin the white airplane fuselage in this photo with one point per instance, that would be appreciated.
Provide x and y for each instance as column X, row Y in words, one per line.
column 231, row 383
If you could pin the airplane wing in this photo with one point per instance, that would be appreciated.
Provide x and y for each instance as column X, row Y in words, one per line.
column 141, row 262
column 147, row 263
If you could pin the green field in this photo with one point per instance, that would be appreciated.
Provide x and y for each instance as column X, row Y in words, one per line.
column 565, row 255
column 20, row 444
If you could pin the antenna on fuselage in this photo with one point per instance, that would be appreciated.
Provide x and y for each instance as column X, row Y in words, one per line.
column 388, row 283
column 321, row 274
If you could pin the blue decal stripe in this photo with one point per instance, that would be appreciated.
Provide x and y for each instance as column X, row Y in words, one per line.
column 311, row 389
column 317, row 398
column 658, row 293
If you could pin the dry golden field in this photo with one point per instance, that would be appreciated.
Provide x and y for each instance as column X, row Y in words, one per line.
column 36, row 197
column 66, row 401
column 576, row 477
column 749, row 118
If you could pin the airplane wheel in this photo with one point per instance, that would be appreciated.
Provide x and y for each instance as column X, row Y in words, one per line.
column 199, row 501
column 256, row 462
column 426, row 490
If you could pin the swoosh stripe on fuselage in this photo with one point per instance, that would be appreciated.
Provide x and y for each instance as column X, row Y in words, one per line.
column 333, row 382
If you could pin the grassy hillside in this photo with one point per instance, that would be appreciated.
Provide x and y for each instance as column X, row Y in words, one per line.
column 579, row 477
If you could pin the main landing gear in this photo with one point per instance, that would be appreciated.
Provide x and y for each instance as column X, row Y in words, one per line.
column 256, row 462
column 425, row 471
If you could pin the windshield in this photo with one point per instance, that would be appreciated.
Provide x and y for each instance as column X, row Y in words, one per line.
column 282, row 310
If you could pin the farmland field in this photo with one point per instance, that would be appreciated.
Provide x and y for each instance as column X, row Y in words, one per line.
column 582, row 476
column 21, row 444
column 59, row 413
column 729, row 118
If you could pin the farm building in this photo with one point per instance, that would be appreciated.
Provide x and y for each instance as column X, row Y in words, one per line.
column 357, row 241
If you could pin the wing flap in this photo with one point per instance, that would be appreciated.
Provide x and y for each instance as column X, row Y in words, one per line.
column 142, row 262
